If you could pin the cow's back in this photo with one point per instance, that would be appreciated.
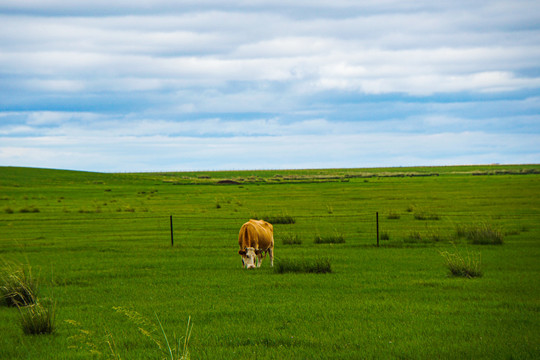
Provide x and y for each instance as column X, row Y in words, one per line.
column 258, row 234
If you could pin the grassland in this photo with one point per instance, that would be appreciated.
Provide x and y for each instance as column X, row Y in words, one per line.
column 100, row 246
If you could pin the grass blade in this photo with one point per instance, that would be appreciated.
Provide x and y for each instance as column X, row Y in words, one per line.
column 165, row 336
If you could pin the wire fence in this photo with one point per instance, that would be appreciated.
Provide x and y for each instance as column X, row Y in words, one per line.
column 201, row 230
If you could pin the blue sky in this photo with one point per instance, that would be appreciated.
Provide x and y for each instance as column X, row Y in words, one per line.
column 196, row 85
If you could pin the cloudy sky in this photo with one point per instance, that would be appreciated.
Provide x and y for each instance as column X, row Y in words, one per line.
column 166, row 85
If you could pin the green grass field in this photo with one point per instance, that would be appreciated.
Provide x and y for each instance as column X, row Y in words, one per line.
column 100, row 246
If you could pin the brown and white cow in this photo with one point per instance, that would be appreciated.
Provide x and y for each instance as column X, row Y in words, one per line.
column 256, row 238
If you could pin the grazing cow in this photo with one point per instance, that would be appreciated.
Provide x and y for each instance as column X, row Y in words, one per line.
column 256, row 238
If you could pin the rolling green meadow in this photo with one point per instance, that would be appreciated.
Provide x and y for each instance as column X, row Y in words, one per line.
column 99, row 246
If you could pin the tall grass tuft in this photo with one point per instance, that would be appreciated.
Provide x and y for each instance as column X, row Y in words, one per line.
column 19, row 288
column 414, row 238
column 317, row 266
column 180, row 351
column 29, row 209
column 38, row 319
column 460, row 266
column 426, row 216
column 291, row 239
column 278, row 219
column 481, row 234
column 335, row 238
column 17, row 285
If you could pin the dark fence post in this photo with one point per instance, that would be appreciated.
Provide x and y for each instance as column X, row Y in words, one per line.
column 377, row 219
column 172, row 238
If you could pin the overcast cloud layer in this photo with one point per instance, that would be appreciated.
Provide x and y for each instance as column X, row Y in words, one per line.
column 190, row 85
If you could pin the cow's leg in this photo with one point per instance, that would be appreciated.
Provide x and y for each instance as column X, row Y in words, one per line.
column 271, row 251
column 259, row 260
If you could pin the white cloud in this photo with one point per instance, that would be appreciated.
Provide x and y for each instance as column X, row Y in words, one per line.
column 375, row 74
column 422, row 52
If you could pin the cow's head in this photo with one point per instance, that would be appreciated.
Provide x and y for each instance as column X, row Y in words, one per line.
column 249, row 257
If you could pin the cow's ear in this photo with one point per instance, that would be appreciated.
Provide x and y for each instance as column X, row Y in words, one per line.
column 242, row 252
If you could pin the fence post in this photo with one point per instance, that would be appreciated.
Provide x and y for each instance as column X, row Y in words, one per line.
column 172, row 238
column 377, row 220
